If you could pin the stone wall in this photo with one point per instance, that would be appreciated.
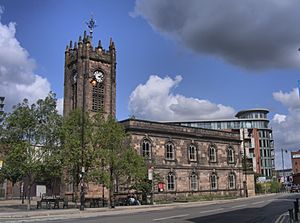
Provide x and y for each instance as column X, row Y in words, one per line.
column 158, row 134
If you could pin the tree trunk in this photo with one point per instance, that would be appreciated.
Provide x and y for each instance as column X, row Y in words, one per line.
column 29, row 197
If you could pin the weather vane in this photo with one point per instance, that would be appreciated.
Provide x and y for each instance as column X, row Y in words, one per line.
column 91, row 25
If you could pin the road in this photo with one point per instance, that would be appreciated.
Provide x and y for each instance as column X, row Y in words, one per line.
column 252, row 210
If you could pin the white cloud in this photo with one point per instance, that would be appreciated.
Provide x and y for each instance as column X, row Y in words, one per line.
column 155, row 100
column 60, row 105
column 286, row 128
column 279, row 118
column 251, row 34
column 17, row 77
column 290, row 99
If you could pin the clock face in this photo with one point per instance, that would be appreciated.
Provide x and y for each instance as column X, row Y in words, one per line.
column 99, row 76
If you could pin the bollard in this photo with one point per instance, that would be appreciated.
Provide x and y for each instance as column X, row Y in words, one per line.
column 291, row 215
column 296, row 208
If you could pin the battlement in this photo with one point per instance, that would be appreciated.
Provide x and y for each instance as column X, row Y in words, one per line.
column 84, row 49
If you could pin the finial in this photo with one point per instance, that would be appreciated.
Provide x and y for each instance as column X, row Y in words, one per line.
column 110, row 41
column 67, row 47
column 75, row 45
column 84, row 35
column 80, row 39
column 99, row 44
column 71, row 44
column 91, row 24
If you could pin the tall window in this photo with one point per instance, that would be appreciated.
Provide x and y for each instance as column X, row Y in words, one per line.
column 212, row 154
column 214, row 182
column 146, row 149
column 194, row 182
column 192, row 153
column 231, row 179
column 74, row 95
column 171, row 181
column 98, row 97
column 230, row 155
column 170, row 152
column 74, row 91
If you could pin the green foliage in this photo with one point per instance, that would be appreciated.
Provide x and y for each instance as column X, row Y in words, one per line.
column 30, row 134
column 107, row 156
column 268, row 187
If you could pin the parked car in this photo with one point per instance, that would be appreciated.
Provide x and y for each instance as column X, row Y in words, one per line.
column 295, row 188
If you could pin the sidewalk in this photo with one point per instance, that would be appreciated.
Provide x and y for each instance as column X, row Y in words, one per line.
column 14, row 210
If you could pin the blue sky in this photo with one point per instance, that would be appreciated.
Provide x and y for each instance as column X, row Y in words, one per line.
column 175, row 60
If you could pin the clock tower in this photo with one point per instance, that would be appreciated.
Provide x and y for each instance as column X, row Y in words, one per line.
column 90, row 77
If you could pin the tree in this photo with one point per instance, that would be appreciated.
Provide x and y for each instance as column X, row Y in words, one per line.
column 32, row 139
column 74, row 157
column 107, row 156
column 123, row 165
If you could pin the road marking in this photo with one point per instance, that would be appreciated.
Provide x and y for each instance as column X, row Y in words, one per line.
column 259, row 202
column 281, row 218
column 239, row 206
column 213, row 210
column 170, row 217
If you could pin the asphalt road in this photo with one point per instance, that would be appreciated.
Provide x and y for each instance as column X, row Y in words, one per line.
column 259, row 209
column 270, row 208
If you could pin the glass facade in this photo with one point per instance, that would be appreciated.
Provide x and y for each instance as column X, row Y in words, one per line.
column 247, row 119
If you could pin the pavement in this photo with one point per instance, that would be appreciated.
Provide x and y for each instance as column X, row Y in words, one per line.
column 15, row 211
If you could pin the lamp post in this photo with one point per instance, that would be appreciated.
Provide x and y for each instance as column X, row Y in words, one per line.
column 82, row 197
column 93, row 82
column 282, row 160
column 245, row 165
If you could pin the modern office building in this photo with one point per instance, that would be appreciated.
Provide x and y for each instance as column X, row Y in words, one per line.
column 253, row 125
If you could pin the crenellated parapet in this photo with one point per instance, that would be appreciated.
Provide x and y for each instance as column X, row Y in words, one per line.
column 84, row 49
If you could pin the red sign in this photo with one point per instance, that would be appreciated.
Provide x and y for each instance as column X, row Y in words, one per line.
column 161, row 186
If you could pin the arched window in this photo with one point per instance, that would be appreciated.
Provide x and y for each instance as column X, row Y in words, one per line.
column 214, row 181
column 212, row 154
column 146, row 149
column 194, row 181
column 192, row 153
column 230, row 155
column 170, row 151
column 171, row 181
column 231, row 179
column 74, row 90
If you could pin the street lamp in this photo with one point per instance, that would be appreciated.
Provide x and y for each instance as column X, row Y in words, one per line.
column 283, row 173
column 93, row 81
column 245, row 166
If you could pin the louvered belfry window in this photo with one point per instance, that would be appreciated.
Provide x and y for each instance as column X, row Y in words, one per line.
column 98, row 97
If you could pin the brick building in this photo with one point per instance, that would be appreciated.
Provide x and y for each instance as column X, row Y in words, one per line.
column 295, row 162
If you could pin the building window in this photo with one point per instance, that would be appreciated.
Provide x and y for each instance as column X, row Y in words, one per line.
column 194, row 181
column 213, row 181
column 170, row 151
column 231, row 181
column 74, row 95
column 230, row 155
column 192, row 153
column 212, row 154
column 171, row 182
column 98, row 97
column 146, row 149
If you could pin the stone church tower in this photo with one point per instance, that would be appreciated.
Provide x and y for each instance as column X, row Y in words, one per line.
column 84, row 65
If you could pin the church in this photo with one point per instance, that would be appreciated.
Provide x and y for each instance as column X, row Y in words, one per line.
column 188, row 160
